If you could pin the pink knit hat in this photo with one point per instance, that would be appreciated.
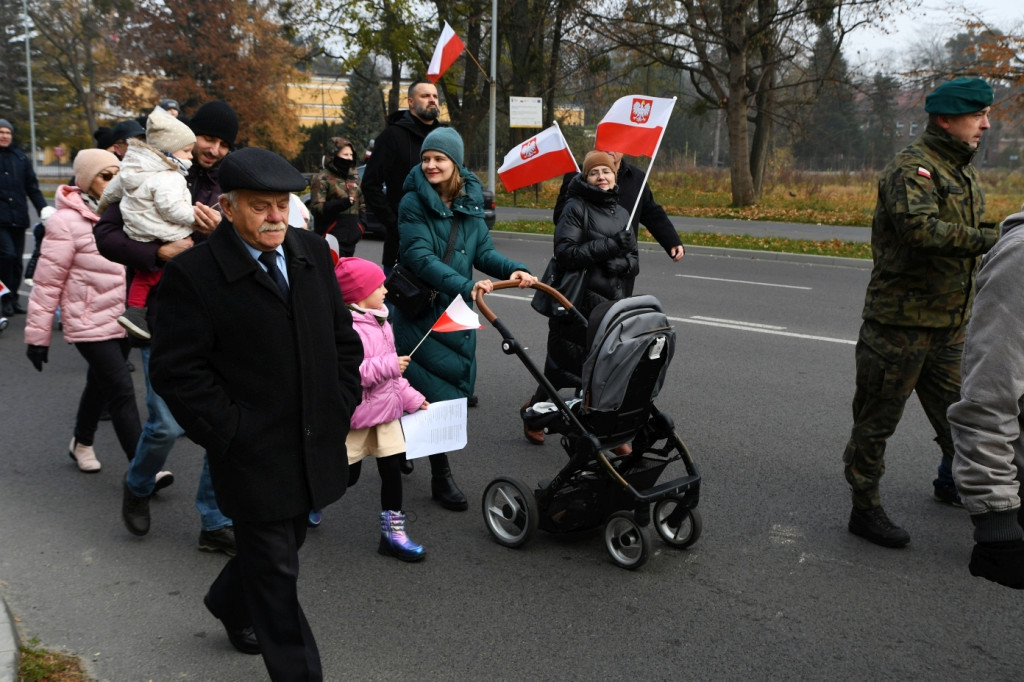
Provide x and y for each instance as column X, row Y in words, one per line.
column 357, row 278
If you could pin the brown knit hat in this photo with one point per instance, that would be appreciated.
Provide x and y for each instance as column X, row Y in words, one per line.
column 597, row 158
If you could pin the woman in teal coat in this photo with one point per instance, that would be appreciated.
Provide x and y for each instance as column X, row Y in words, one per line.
column 441, row 195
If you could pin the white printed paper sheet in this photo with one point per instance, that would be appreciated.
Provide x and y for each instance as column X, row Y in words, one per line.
column 439, row 428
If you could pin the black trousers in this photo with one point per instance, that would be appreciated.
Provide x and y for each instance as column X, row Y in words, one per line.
column 258, row 587
column 108, row 382
column 12, row 250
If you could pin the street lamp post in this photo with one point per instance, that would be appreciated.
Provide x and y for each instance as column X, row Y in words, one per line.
column 31, row 105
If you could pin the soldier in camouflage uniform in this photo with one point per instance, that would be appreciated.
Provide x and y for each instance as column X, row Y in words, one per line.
column 927, row 238
column 335, row 199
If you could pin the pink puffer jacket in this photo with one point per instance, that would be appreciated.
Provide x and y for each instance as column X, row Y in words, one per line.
column 387, row 395
column 71, row 273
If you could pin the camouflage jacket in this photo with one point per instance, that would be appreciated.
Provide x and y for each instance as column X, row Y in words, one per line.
column 927, row 236
column 329, row 196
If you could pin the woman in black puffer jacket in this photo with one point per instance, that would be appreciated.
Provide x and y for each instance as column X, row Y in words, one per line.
column 591, row 235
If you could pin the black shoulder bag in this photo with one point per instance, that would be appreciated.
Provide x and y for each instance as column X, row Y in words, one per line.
column 409, row 293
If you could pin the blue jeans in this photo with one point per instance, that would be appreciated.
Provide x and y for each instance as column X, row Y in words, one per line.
column 159, row 434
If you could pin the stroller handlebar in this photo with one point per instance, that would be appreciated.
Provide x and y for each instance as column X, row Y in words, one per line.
column 510, row 284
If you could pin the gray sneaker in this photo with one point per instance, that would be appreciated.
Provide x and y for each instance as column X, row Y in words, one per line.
column 873, row 525
column 134, row 320
column 220, row 540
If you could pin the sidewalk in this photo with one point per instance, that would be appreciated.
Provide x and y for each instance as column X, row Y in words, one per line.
column 9, row 642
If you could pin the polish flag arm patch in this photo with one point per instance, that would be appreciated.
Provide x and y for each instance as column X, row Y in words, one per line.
column 924, row 172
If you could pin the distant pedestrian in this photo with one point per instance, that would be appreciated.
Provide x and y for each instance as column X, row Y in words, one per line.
column 18, row 186
column 927, row 238
column 335, row 199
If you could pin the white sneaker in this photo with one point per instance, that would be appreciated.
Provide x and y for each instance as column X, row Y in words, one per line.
column 85, row 456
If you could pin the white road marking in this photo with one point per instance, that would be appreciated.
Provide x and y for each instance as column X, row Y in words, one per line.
column 730, row 324
column 742, row 281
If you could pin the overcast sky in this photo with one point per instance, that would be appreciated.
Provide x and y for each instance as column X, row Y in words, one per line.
column 935, row 17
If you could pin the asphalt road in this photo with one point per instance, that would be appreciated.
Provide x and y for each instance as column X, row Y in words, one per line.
column 775, row 589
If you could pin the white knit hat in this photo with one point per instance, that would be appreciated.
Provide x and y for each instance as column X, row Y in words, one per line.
column 167, row 133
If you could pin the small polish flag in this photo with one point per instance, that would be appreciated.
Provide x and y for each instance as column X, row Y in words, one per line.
column 634, row 125
column 921, row 170
column 3, row 289
column 448, row 49
column 544, row 156
column 458, row 317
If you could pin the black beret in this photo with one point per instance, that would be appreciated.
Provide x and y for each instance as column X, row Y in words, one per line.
column 258, row 169
column 104, row 137
column 959, row 96
column 126, row 130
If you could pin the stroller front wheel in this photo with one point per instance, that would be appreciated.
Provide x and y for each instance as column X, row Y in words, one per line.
column 628, row 543
column 678, row 526
column 510, row 511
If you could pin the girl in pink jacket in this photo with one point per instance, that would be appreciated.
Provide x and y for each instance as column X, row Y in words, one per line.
column 90, row 291
column 376, row 428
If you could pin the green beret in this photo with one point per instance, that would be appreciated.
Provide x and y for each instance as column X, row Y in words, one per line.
column 959, row 96
column 258, row 169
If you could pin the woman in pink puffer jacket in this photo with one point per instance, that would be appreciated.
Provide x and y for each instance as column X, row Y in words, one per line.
column 90, row 291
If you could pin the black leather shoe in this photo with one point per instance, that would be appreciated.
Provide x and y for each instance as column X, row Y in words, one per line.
column 405, row 466
column 8, row 309
column 243, row 639
column 134, row 511
column 442, row 485
column 874, row 526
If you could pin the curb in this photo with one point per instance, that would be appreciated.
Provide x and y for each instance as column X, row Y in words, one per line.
column 746, row 254
column 9, row 643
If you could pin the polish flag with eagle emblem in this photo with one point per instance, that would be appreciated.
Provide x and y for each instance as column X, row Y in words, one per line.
column 544, row 156
column 634, row 125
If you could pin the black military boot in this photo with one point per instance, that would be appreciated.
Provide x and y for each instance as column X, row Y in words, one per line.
column 442, row 485
column 873, row 525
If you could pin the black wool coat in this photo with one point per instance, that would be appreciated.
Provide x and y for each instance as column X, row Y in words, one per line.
column 266, row 387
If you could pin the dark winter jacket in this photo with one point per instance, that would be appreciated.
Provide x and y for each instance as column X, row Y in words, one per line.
column 585, row 240
column 444, row 367
column 266, row 387
column 18, row 186
column 628, row 181
column 395, row 151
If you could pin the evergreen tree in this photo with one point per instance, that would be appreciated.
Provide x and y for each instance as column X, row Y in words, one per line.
column 363, row 107
column 829, row 137
column 880, row 131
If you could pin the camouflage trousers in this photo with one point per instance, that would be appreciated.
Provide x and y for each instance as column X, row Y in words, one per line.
column 893, row 362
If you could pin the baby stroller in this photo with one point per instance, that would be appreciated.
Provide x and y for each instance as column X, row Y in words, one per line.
column 630, row 347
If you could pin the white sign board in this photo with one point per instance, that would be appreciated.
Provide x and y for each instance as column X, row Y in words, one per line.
column 525, row 112
column 439, row 428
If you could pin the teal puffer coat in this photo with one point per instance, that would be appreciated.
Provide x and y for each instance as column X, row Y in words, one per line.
column 444, row 366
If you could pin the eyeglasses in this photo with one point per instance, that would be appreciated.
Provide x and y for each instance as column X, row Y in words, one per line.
column 107, row 175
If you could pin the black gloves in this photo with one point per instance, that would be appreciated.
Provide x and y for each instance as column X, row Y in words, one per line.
column 626, row 239
column 37, row 355
column 1000, row 562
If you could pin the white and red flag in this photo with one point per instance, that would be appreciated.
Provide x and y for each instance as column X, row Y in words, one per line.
column 448, row 49
column 457, row 318
column 634, row 125
column 545, row 155
column 3, row 289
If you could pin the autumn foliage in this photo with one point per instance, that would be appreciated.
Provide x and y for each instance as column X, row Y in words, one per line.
column 201, row 50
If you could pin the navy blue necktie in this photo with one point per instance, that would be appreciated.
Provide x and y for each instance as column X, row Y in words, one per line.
column 269, row 259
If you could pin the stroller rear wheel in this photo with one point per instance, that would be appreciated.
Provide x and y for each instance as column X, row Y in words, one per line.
column 678, row 526
column 628, row 543
column 510, row 511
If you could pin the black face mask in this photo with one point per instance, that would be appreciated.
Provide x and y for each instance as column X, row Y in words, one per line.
column 341, row 166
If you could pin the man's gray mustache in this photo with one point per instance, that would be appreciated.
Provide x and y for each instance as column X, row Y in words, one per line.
column 267, row 227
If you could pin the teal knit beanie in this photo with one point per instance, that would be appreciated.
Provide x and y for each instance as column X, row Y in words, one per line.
column 446, row 141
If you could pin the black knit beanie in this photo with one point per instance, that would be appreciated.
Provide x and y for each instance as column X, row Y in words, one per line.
column 216, row 119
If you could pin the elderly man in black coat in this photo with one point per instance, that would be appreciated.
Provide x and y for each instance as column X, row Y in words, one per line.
column 255, row 355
